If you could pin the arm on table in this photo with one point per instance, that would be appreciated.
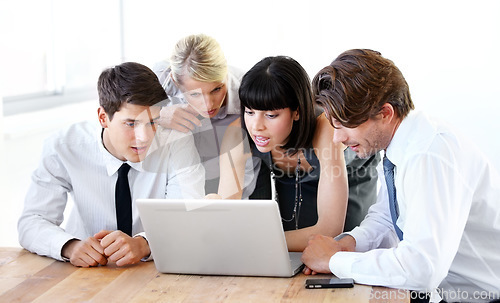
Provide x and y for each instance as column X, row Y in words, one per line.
column 332, row 189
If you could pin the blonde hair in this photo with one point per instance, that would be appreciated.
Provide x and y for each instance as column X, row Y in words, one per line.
column 199, row 57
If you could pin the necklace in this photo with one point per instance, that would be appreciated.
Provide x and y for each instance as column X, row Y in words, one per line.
column 298, row 194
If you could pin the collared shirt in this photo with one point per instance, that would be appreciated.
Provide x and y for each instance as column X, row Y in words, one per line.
column 449, row 203
column 75, row 162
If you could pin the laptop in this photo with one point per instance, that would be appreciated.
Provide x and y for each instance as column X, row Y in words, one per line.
column 217, row 237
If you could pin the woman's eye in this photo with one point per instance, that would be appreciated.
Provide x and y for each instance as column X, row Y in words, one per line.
column 130, row 124
column 271, row 116
column 249, row 112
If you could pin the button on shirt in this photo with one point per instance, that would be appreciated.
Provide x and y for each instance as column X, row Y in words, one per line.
column 449, row 203
column 75, row 162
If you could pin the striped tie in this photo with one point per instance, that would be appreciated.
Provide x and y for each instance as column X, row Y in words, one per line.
column 391, row 189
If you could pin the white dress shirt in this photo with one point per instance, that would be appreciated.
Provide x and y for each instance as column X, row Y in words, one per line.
column 449, row 204
column 75, row 162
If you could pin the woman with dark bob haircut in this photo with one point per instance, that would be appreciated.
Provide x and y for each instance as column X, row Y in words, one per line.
column 292, row 139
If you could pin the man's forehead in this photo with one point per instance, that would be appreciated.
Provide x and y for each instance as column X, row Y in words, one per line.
column 133, row 111
column 152, row 112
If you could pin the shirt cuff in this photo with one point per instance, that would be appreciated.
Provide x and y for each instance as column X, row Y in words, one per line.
column 64, row 259
column 59, row 244
column 150, row 256
column 337, row 238
column 358, row 234
column 341, row 264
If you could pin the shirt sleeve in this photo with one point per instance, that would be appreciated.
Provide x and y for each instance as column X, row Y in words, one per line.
column 186, row 175
column 39, row 225
column 434, row 201
column 376, row 230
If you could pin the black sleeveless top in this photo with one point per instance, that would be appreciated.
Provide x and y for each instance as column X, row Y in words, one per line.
column 286, row 191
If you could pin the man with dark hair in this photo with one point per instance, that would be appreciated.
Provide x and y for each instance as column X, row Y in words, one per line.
column 435, row 227
column 105, row 168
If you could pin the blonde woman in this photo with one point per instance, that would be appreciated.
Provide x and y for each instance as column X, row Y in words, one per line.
column 203, row 93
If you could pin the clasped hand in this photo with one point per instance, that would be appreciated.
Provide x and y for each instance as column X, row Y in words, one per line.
column 320, row 249
column 106, row 246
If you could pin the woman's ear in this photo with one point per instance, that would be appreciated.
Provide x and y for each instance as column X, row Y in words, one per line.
column 295, row 115
column 103, row 117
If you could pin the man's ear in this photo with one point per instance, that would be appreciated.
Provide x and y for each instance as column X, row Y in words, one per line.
column 387, row 113
column 103, row 117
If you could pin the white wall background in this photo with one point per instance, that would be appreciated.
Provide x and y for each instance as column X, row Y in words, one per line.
column 447, row 50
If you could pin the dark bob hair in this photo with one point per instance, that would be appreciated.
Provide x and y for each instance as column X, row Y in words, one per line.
column 277, row 83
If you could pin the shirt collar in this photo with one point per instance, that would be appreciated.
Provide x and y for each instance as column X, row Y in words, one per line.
column 401, row 140
column 111, row 162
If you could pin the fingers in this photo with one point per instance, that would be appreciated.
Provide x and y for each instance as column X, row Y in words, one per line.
column 187, row 119
column 88, row 253
column 316, row 256
column 307, row 270
column 189, row 108
column 127, row 258
column 118, row 255
column 122, row 249
column 96, row 251
column 102, row 234
column 110, row 241
column 90, row 259
column 183, row 126
column 112, row 246
column 182, row 117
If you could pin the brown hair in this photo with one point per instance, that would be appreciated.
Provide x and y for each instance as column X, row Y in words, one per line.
column 355, row 86
column 129, row 82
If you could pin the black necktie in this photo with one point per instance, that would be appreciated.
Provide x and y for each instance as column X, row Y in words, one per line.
column 391, row 189
column 123, row 201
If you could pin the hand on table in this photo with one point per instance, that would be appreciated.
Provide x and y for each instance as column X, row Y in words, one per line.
column 317, row 254
column 122, row 249
column 84, row 253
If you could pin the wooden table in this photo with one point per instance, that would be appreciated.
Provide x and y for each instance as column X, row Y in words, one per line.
column 26, row 277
